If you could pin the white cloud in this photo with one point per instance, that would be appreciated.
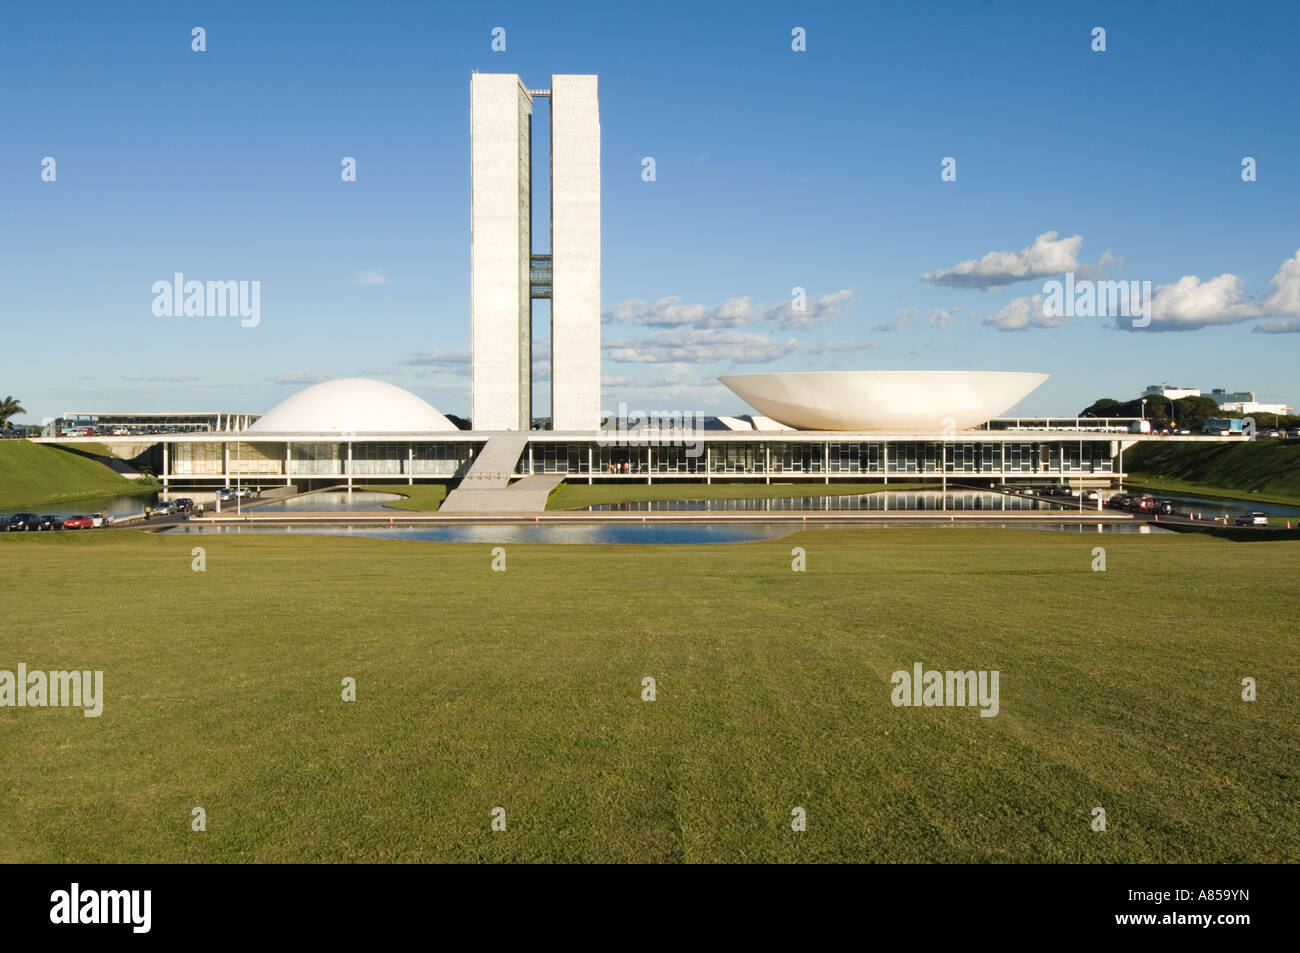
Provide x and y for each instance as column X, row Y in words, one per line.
column 821, row 311
column 1022, row 314
column 942, row 317
column 1186, row 305
column 699, row 346
column 455, row 362
column 1045, row 257
column 670, row 312
column 295, row 377
column 822, row 348
column 902, row 319
column 1189, row 303
column 678, row 381
column 1288, row 326
column 371, row 277
column 1285, row 299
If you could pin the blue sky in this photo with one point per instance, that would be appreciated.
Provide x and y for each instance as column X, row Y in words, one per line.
column 775, row 169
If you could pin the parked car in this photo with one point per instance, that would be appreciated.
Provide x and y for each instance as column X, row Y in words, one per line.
column 246, row 492
column 50, row 521
column 184, row 505
column 79, row 521
column 23, row 522
column 1252, row 519
column 164, row 508
column 1119, row 501
column 226, row 493
column 1092, row 496
column 1165, row 508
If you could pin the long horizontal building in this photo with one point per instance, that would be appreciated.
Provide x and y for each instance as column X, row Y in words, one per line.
column 353, row 430
column 320, row 459
column 124, row 423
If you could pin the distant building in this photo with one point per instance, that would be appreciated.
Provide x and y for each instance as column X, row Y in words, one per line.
column 1223, row 397
column 1255, row 407
column 1244, row 402
column 1173, row 393
column 1233, row 402
column 122, row 424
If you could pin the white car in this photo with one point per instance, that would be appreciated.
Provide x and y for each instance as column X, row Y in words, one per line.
column 1252, row 519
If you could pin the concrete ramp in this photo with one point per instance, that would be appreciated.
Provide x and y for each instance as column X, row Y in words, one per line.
column 495, row 463
column 527, row 496
column 486, row 488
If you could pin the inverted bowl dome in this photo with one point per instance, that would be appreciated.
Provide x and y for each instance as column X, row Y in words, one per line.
column 894, row 401
column 353, row 405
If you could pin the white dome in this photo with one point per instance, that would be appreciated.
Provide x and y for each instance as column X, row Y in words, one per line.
column 353, row 405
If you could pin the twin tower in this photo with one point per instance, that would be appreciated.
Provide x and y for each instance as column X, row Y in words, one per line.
column 507, row 273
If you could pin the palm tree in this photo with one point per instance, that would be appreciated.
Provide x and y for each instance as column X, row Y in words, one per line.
column 8, row 407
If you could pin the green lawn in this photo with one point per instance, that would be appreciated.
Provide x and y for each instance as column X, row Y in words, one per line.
column 521, row 689
column 1265, row 470
column 35, row 474
column 425, row 497
column 571, row 496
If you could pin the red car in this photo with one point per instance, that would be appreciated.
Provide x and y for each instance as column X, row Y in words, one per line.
column 1140, row 504
column 80, row 521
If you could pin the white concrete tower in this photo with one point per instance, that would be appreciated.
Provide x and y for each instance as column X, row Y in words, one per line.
column 507, row 275
column 575, row 253
column 501, row 243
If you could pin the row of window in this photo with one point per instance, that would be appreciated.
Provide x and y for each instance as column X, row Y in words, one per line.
column 321, row 459
column 788, row 457
column 452, row 459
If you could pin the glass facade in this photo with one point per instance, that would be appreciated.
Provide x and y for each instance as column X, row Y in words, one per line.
column 315, row 459
column 369, row 458
column 758, row 458
column 255, row 459
column 197, row 459
column 557, row 457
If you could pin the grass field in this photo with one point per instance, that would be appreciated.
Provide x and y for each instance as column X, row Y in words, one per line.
column 426, row 497
column 521, row 689
column 1265, row 470
column 569, row 496
column 35, row 474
